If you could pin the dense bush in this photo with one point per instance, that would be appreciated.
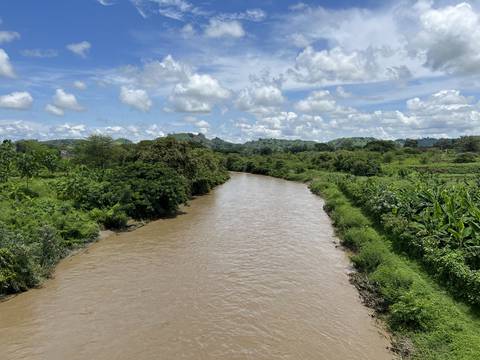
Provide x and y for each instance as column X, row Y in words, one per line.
column 154, row 189
column 465, row 158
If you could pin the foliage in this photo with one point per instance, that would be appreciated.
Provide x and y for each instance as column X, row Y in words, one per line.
column 412, row 306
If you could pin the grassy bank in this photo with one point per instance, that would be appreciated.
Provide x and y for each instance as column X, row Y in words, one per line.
column 427, row 323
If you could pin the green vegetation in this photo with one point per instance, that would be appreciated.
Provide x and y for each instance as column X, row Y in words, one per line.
column 411, row 217
column 408, row 210
column 56, row 196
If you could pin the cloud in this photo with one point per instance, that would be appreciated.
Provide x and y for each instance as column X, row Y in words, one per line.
column 202, row 125
column 154, row 75
column 135, row 98
column 274, row 126
column 400, row 73
column 319, row 117
column 8, row 36
column 18, row 129
column 442, row 101
column 263, row 97
column 188, row 31
column 449, row 39
column 16, row 100
column 106, row 2
column 298, row 7
column 342, row 93
column 317, row 102
column 54, row 110
column 69, row 131
column 218, row 29
column 21, row 129
column 81, row 49
column 198, row 94
column 66, row 101
column 39, row 53
column 444, row 113
column 334, row 65
column 80, row 85
column 249, row 15
column 173, row 9
column 6, row 68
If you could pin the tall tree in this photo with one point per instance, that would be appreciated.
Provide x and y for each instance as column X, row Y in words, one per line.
column 97, row 151
column 7, row 159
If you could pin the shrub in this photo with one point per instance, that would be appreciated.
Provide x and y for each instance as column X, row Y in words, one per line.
column 393, row 281
column 413, row 311
column 345, row 217
column 156, row 190
column 465, row 158
column 113, row 218
column 355, row 238
column 370, row 257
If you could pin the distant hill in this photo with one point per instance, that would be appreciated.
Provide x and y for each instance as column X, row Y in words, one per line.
column 122, row 141
column 350, row 142
column 255, row 146
column 266, row 146
column 277, row 145
column 216, row 143
column 62, row 144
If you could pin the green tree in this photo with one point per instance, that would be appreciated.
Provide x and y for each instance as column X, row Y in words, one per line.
column 411, row 143
column 469, row 144
column 50, row 160
column 28, row 166
column 97, row 151
column 7, row 159
column 323, row 147
column 381, row 145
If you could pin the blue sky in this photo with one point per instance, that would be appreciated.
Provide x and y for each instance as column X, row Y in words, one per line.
column 239, row 70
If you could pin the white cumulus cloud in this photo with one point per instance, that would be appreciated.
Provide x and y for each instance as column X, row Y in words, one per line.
column 263, row 97
column 317, row 102
column 19, row 100
column 334, row 65
column 449, row 38
column 135, row 98
column 6, row 68
column 218, row 29
column 198, row 94
column 65, row 101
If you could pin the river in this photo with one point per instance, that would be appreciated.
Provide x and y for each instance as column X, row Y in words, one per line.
column 249, row 271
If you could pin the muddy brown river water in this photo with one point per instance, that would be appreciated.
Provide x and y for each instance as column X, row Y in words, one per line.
column 250, row 271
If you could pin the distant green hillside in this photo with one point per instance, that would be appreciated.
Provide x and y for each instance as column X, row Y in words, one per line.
column 350, row 142
column 267, row 146
column 216, row 144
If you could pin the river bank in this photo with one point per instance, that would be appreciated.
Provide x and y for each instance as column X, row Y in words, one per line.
column 425, row 322
column 237, row 275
